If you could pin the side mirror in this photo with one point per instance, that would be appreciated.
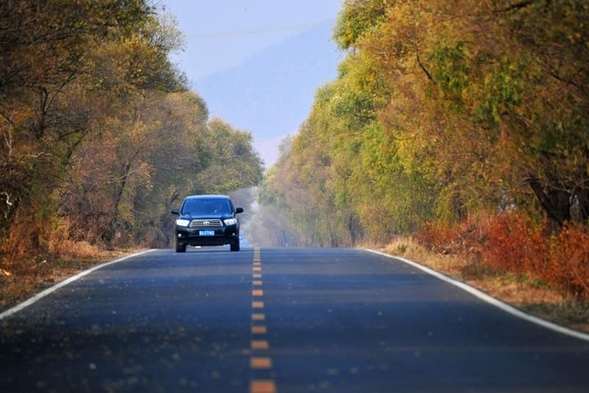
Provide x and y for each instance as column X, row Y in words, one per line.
column 238, row 210
column 176, row 212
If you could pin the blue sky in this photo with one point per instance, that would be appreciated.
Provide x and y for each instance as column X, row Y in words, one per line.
column 221, row 34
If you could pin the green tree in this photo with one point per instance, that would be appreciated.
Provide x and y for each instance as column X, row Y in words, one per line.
column 231, row 161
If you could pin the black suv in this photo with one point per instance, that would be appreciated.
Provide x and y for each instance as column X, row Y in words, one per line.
column 207, row 220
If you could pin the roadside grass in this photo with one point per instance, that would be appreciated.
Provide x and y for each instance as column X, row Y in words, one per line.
column 529, row 295
column 20, row 282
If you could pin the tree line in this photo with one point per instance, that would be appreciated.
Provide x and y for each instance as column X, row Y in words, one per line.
column 442, row 111
column 100, row 135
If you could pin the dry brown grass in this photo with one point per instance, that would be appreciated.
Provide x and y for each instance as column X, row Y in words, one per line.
column 531, row 296
column 24, row 273
column 407, row 247
column 15, row 287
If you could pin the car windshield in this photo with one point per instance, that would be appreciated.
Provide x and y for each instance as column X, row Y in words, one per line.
column 206, row 206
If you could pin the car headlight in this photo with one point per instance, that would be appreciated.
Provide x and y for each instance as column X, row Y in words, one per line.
column 182, row 222
column 230, row 221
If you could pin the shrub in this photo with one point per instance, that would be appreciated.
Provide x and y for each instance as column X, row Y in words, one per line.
column 515, row 244
column 518, row 245
column 463, row 239
column 569, row 267
column 512, row 243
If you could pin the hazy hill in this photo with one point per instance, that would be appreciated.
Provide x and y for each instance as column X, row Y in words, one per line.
column 271, row 94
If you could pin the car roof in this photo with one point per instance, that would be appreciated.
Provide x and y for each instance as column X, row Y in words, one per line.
column 206, row 196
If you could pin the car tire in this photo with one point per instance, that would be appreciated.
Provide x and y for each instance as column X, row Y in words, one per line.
column 180, row 247
column 234, row 246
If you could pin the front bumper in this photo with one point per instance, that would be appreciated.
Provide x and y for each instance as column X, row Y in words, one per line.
column 207, row 236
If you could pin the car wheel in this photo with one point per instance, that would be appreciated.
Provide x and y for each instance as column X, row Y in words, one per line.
column 180, row 247
column 235, row 246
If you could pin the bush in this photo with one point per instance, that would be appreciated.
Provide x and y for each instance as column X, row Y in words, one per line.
column 511, row 243
column 514, row 244
column 463, row 239
column 569, row 267
column 517, row 245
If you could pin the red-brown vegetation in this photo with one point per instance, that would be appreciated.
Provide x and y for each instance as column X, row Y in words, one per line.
column 513, row 244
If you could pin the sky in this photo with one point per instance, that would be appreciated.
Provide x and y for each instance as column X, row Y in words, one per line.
column 222, row 35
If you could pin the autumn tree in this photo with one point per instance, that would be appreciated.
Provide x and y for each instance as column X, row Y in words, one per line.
column 70, row 71
column 445, row 110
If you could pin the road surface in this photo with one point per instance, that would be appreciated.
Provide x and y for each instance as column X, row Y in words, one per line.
column 278, row 320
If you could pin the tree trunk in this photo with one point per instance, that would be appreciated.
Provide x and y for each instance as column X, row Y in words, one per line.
column 555, row 202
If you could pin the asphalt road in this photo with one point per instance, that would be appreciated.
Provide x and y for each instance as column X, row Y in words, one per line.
column 278, row 320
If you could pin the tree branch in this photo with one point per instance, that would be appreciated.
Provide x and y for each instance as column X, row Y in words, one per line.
column 429, row 76
column 517, row 6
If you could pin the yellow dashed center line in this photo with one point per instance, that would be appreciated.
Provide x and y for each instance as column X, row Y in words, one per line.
column 259, row 330
column 263, row 386
column 260, row 344
column 258, row 362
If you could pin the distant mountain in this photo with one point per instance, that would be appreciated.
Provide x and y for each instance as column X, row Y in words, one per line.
column 271, row 94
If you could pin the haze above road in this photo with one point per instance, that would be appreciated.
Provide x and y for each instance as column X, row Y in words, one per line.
column 278, row 320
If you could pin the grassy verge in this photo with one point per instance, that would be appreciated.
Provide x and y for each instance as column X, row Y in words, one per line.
column 15, row 288
column 529, row 295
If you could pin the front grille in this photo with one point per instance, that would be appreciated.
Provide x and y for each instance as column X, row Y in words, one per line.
column 206, row 223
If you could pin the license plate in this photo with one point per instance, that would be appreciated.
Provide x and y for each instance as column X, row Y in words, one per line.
column 206, row 233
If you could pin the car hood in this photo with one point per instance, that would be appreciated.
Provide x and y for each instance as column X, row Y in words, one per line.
column 206, row 216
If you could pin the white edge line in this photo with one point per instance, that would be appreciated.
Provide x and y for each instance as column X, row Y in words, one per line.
column 491, row 300
column 63, row 283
